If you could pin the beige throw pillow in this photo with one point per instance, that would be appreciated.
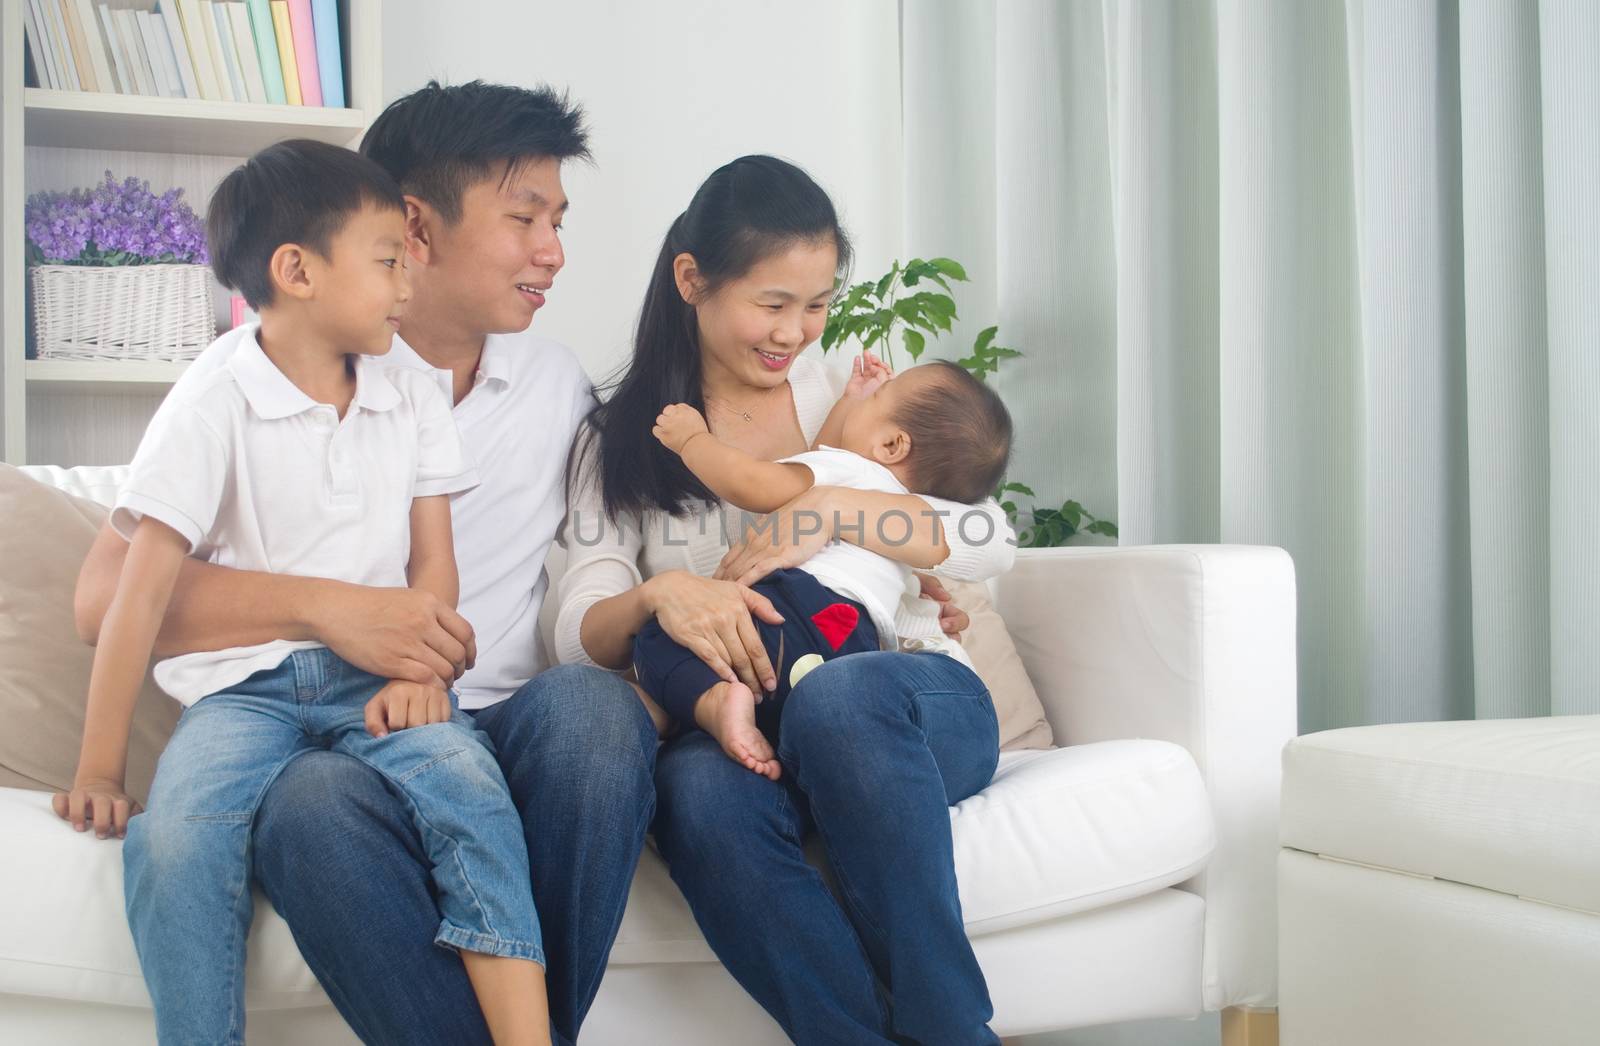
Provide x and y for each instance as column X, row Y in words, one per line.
column 988, row 644
column 44, row 667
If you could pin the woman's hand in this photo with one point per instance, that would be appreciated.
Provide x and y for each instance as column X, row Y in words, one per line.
column 952, row 619
column 712, row 619
column 785, row 538
column 99, row 801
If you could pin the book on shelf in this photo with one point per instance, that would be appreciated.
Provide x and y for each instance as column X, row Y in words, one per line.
column 88, row 27
column 133, row 42
column 179, row 42
column 199, row 50
column 79, row 45
column 230, row 59
column 291, row 75
column 266, row 52
column 119, row 55
column 244, row 48
column 56, row 29
column 305, row 51
column 208, row 29
column 44, row 63
column 330, row 67
column 152, row 51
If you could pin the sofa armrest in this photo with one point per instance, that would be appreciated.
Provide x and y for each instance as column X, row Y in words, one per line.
column 1193, row 644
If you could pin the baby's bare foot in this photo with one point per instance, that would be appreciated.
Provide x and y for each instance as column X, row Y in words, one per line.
column 728, row 712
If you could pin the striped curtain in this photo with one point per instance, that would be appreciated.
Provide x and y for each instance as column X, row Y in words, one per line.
column 1316, row 274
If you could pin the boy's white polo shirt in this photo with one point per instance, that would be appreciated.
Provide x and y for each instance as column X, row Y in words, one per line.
column 517, row 424
column 258, row 476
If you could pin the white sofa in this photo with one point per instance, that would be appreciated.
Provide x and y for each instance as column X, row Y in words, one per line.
column 1440, row 883
column 1129, row 875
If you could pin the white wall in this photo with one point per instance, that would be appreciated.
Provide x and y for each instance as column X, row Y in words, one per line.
column 674, row 90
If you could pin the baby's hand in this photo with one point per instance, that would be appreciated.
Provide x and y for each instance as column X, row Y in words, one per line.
column 99, row 801
column 402, row 704
column 677, row 424
column 867, row 374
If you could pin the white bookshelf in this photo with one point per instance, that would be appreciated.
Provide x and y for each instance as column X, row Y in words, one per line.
column 62, row 412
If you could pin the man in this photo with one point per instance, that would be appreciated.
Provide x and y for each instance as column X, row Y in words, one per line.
column 335, row 850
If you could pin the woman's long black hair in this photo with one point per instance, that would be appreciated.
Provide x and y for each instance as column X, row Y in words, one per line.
column 745, row 212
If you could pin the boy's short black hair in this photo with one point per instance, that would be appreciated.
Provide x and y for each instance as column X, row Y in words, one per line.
column 960, row 435
column 436, row 141
column 298, row 191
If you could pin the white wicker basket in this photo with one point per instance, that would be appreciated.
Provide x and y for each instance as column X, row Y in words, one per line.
column 122, row 312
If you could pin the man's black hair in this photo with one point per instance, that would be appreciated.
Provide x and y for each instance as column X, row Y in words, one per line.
column 437, row 141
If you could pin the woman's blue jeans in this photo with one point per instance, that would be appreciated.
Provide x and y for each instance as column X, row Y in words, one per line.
column 876, row 747
column 187, row 859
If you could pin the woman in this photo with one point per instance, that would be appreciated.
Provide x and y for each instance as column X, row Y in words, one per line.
column 876, row 746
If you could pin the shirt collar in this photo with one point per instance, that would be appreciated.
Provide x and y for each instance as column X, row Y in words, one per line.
column 272, row 395
column 267, row 389
column 495, row 363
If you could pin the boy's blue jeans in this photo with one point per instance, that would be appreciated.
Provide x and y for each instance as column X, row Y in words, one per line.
column 187, row 859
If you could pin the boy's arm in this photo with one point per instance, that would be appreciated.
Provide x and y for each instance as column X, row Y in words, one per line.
column 403, row 703
column 433, row 552
column 127, row 639
column 750, row 483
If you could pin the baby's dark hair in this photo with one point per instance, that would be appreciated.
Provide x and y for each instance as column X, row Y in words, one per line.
column 960, row 435
column 298, row 191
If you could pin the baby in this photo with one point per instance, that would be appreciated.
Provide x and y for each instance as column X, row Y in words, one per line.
column 933, row 430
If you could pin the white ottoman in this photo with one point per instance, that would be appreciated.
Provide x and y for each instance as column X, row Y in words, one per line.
column 1439, row 883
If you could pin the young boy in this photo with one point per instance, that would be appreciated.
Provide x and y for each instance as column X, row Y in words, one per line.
column 302, row 455
column 934, row 430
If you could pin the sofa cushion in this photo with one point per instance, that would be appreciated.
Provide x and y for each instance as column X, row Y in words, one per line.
column 1057, row 832
column 995, row 659
column 44, row 666
column 1511, row 805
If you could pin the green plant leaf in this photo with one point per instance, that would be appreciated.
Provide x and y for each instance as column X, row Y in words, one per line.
column 985, row 336
column 950, row 268
column 914, row 343
column 886, row 280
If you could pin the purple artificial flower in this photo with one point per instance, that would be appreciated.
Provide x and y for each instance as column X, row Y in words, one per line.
column 113, row 224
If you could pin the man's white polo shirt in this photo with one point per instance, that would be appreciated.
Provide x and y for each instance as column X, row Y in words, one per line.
column 517, row 424
column 258, row 476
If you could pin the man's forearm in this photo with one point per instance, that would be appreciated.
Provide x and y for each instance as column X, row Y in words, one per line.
column 212, row 607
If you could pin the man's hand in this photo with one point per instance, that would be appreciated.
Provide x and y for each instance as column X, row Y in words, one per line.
column 402, row 704
column 397, row 633
column 952, row 619
column 867, row 374
column 99, row 801
column 677, row 424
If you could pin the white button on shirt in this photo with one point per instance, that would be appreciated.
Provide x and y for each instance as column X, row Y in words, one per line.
column 516, row 425
column 258, row 476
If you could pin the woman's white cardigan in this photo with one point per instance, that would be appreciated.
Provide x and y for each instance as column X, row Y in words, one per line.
column 606, row 559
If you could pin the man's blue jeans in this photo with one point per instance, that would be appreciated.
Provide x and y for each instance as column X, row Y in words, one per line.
column 338, row 856
column 875, row 747
column 187, row 859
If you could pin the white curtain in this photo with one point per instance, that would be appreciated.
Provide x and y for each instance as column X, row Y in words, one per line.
column 1314, row 274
